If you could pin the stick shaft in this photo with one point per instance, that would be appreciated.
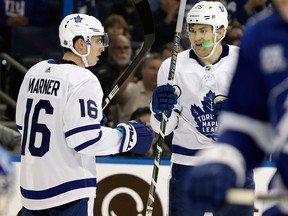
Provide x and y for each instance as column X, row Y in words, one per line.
column 146, row 17
column 240, row 196
column 248, row 197
column 160, row 142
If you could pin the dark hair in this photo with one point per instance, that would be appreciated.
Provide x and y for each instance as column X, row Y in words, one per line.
column 74, row 41
column 168, row 46
column 116, row 18
column 149, row 57
column 140, row 112
column 144, row 61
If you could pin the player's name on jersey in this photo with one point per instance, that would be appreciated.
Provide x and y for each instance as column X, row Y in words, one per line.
column 43, row 86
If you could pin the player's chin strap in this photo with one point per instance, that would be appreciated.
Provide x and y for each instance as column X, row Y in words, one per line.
column 214, row 44
column 83, row 57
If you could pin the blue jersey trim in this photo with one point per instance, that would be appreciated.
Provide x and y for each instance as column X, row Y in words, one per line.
column 268, row 163
column 225, row 52
column 116, row 160
column 88, row 143
column 81, row 129
column 137, row 161
column 59, row 189
column 126, row 160
column 19, row 127
column 183, row 151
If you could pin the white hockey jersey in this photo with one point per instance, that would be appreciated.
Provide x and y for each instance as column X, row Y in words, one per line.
column 192, row 120
column 58, row 114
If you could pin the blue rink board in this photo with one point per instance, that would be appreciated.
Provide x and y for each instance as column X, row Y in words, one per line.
column 142, row 161
column 119, row 160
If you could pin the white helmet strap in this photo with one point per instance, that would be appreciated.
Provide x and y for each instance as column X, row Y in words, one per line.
column 83, row 57
column 85, row 61
column 215, row 43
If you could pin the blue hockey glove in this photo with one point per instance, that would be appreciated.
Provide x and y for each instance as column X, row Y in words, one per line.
column 218, row 104
column 136, row 137
column 207, row 186
column 164, row 98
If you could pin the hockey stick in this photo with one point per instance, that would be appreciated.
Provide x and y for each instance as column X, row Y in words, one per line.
column 145, row 14
column 160, row 141
column 247, row 197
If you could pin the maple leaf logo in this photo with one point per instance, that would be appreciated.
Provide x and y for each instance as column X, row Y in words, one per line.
column 78, row 19
column 204, row 116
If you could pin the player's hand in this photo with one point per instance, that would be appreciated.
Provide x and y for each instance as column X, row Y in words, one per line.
column 218, row 104
column 136, row 137
column 164, row 98
column 207, row 186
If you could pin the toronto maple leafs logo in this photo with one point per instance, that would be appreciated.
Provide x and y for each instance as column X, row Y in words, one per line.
column 204, row 116
column 78, row 19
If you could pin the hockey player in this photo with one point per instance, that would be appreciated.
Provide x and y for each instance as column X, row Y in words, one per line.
column 254, row 123
column 202, row 73
column 59, row 115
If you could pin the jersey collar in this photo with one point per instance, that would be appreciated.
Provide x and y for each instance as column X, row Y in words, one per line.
column 224, row 53
column 60, row 61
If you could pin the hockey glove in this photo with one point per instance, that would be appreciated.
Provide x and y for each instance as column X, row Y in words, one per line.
column 207, row 186
column 164, row 98
column 218, row 104
column 136, row 137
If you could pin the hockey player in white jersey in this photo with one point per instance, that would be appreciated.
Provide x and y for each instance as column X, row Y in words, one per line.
column 59, row 115
column 254, row 122
column 202, row 73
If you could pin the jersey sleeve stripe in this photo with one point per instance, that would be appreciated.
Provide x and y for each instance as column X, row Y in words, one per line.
column 88, row 143
column 176, row 149
column 59, row 189
column 81, row 129
column 19, row 127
